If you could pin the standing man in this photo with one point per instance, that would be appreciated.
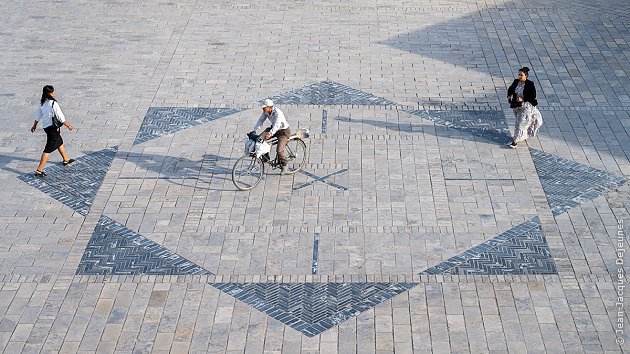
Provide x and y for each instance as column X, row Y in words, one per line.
column 279, row 129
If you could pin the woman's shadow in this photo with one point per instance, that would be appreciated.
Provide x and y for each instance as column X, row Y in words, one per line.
column 5, row 160
column 494, row 132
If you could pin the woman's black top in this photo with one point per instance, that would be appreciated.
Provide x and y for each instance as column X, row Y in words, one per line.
column 529, row 91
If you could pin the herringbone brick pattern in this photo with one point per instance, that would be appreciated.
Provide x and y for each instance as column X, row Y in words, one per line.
column 568, row 184
column 312, row 308
column 329, row 93
column 116, row 250
column 161, row 121
column 75, row 185
column 386, row 193
column 520, row 250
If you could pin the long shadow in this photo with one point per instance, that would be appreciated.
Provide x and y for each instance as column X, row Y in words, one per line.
column 76, row 185
column 177, row 170
column 495, row 40
column 5, row 160
column 494, row 130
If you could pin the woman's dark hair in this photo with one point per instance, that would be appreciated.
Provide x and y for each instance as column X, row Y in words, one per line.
column 524, row 70
column 46, row 94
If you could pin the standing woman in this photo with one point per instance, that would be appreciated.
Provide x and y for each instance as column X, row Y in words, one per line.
column 522, row 98
column 47, row 109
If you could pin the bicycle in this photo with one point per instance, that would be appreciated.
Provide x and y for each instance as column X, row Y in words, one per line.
column 248, row 170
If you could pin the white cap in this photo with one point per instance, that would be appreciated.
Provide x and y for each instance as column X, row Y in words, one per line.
column 267, row 103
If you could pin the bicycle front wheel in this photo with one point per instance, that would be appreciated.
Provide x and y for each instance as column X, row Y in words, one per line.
column 296, row 153
column 247, row 172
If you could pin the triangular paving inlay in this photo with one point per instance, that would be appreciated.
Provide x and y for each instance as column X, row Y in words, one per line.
column 312, row 308
column 520, row 250
column 116, row 250
column 75, row 185
column 568, row 184
column 329, row 93
column 161, row 121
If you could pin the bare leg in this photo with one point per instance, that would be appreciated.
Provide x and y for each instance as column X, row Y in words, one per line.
column 62, row 151
column 42, row 161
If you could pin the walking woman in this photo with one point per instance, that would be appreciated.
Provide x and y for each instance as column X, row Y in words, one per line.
column 522, row 98
column 48, row 109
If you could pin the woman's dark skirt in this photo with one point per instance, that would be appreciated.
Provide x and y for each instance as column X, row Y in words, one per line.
column 53, row 139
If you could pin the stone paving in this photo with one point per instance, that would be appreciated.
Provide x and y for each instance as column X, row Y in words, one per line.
column 411, row 228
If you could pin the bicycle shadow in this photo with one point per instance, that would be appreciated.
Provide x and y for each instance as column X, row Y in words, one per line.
column 180, row 170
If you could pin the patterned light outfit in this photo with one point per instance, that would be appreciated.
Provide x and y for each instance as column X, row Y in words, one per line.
column 528, row 118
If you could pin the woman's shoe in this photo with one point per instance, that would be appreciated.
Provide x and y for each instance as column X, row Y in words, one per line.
column 66, row 163
column 39, row 173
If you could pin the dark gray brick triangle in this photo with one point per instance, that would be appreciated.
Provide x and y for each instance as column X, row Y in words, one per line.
column 161, row 121
column 116, row 250
column 488, row 125
column 520, row 250
column 568, row 184
column 517, row 256
column 75, row 185
column 312, row 308
column 329, row 93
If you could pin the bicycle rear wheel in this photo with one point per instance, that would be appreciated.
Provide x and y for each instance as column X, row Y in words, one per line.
column 247, row 172
column 296, row 153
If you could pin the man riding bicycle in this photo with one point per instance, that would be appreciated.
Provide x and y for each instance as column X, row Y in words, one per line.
column 279, row 129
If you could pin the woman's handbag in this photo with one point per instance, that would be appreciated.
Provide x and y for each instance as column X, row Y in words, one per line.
column 56, row 122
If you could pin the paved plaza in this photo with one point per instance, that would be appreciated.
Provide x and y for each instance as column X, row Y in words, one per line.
column 412, row 227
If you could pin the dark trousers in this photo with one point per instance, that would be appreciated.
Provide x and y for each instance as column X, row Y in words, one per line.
column 283, row 139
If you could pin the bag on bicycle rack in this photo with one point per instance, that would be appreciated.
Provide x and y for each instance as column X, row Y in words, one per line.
column 303, row 133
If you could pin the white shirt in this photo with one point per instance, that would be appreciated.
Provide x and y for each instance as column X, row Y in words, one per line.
column 45, row 113
column 277, row 119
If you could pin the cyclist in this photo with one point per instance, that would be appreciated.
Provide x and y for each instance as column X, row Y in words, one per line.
column 279, row 129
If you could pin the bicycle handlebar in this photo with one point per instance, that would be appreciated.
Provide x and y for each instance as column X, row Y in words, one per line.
column 260, row 138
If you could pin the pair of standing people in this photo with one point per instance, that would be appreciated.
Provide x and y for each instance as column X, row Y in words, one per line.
column 522, row 98
column 49, row 108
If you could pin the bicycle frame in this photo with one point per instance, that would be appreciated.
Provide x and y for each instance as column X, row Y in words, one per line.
column 275, row 163
column 296, row 159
